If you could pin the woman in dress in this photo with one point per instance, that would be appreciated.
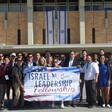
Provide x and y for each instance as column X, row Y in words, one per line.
column 104, row 81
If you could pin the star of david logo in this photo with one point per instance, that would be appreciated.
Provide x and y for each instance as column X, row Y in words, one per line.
column 62, row 31
column 50, row 32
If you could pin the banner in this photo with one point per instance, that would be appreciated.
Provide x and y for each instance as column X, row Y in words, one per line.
column 56, row 28
column 62, row 27
column 50, row 27
column 51, row 84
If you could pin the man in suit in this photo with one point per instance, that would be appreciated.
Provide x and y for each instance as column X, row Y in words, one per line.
column 70, row 62
column 83, row 61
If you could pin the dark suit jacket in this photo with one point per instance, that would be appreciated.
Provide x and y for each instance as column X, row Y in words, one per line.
column 75, row 62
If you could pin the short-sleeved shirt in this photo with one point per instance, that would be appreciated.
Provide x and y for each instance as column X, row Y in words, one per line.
column 17, row 71
column 90, row 71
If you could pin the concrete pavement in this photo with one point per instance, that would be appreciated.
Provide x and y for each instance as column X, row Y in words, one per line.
column 67, row 109
column 81, row 107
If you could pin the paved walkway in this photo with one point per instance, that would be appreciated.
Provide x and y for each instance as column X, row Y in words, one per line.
column 81, row 107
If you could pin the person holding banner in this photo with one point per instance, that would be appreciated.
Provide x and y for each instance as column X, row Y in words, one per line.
column 7, row 77
column 62, row 60
column 47, row 54
column 42, row 61
column 91, row 71
column 70, row 62
column 17, row 80
column 56, row 65
column 29, row 62
column 83, row 61
column 2, row 86
column 49, row 61
column 37, row 57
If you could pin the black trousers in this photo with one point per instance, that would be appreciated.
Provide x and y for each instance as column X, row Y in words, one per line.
column 91, row 92
column 81, row 85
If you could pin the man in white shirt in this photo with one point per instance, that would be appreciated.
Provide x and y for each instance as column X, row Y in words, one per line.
column 91, row 71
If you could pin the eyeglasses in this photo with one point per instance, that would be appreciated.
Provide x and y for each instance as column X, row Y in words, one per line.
column 55, row 61
column 13, row 56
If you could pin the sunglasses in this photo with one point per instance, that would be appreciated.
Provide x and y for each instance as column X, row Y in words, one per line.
column 13, row 56
column 55, row 61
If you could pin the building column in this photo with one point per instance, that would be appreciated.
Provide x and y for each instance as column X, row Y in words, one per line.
column 82, row 21
column 30, row 22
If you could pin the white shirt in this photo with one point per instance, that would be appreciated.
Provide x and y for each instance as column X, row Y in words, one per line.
column 90, row 71
column 70, row 62
column 30, row 64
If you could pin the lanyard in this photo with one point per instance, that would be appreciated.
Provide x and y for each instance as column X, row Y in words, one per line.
column 88, row 65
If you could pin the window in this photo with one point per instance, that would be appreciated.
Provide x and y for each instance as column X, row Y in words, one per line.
column 87, row 6
column 97, row 0
column 14, row 1
column 14, row 7
column 49, row 1
column 97, row 6
column 23, row 7
column 24, row 1
column 73, row 6
column 37, row 1
column 108, row 6
column 3, row 1
column 61, row 0
column 38, row 7
column 49, row 8
column 73, row 0
column 3, row 7
column 87, row 0
column 62, row 8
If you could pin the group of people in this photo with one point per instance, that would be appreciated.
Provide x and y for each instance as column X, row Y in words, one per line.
column 96, row 73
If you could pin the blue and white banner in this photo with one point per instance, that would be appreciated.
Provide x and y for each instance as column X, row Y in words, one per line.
column 51, row 84
column 56, row 28
column 62, row 27
column 50, row 27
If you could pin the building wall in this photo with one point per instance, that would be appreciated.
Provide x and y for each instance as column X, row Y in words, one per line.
column 2, row 31
column 109, row 29
column 94, row 19
column 23, row 26
column 38, row 27
column 15, row 21
column 73, row 23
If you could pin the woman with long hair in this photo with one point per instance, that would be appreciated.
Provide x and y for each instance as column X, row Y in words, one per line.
column 104, row 81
